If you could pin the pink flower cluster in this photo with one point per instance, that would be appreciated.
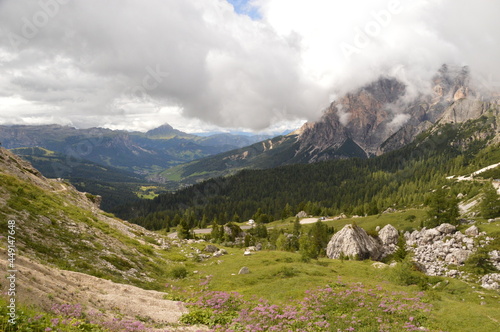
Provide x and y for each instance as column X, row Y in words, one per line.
column 339, row 307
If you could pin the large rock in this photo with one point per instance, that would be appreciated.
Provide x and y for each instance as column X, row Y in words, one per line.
column 472, row 231
column 301, row 214
column 458, row 257
column 389, row 235
column 244, row 270
column 446, row 228
column 429, row 235
column 353, row 242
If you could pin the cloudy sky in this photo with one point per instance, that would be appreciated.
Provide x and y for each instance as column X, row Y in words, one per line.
column 240, row 64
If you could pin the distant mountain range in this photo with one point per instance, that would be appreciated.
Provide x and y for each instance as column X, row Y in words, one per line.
column 370, row 121
column 117, row 165
column 141, row 153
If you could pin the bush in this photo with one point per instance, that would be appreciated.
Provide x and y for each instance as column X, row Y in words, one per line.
column 178, row 272
column 479, row 263
column 207, row 317
column 286, row 272
column 407, row 273
column 411, row 218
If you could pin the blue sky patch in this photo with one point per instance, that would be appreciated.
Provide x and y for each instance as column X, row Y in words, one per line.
column 243, row 7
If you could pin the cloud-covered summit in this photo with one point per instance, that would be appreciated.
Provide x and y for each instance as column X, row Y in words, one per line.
column 134, row 64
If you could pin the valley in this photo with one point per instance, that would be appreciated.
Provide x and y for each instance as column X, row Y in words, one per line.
column 249, row 166
column 350, row 238
column 89, row 262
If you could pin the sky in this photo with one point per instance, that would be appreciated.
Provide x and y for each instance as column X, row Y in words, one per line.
column 217, row 65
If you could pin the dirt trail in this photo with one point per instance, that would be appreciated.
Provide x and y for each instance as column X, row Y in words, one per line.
column 43, row 286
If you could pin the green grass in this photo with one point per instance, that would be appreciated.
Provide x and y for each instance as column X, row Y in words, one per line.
column 173, row 173
column 281, row 277
column 402, row 220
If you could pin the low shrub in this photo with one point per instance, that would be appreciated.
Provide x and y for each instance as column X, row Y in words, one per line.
column 178, row 272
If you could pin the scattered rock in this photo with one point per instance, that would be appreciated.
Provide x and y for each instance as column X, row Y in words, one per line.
column 436, row 248
column 247, row 253
column 244, row 270
column 211, row 248
column 491, row 281
column 495, row 258
column 389, row 210
column 379, row 265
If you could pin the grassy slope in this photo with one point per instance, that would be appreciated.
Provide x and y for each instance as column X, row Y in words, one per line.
column 282, row 277
column 277, row 276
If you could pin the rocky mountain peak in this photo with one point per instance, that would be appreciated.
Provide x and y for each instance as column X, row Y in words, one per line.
column 364, row 118
column 164, row 131
column 379, row 117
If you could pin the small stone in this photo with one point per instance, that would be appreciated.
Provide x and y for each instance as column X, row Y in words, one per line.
column 379, row 265
column 244, row 270
column 211, row 248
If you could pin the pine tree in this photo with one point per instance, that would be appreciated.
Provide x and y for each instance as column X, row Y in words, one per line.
column 296, row 227
column 443, row 209
column 183, row 230
column 307, row 248
column 490, row 205
column 217, row 232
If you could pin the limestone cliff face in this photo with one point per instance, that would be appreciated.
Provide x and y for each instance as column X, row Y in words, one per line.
column 379, row 118
column 362, row 117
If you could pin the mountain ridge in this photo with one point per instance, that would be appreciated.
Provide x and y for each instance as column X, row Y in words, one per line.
column 375, row 119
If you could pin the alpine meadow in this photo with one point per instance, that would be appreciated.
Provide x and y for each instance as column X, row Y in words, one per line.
column 249, row 165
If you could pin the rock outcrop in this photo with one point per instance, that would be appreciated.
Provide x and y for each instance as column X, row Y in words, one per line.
column 353, row 242
column 301, row 214
column 389, row 237
column 491, row 281
column 439, row 247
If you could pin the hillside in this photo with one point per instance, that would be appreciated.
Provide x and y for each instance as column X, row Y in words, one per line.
column 58, row 228
column 115, row 186
column 375, row 119
column 66, row 247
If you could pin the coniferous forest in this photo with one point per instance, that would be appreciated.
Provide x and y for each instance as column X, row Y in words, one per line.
column 401, row 179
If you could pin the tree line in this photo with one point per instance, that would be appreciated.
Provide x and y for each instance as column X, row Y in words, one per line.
column 404, row 178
